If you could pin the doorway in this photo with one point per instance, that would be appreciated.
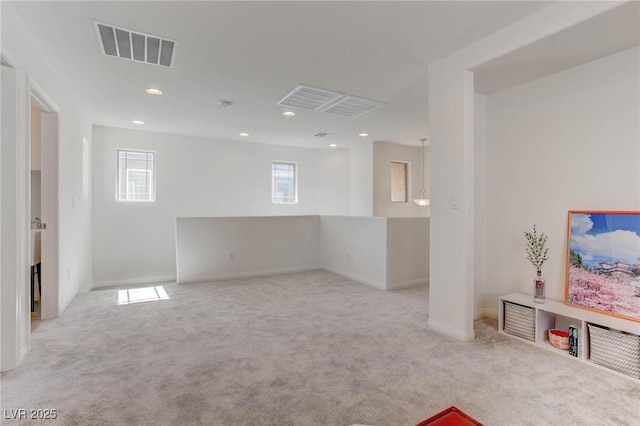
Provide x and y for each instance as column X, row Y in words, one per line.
column 44, row 158
column 35, row 217
column 19, row 90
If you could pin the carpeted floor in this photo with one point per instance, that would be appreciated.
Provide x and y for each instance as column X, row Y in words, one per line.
column 310, row 348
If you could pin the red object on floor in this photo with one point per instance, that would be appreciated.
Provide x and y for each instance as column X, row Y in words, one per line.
column 450, row 417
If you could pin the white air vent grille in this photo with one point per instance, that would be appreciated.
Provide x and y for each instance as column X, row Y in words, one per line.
column 353, row 107
column 309, row 98
column 316, row 99
column 135, row 46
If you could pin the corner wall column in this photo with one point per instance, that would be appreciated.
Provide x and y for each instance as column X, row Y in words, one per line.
column 451, row 148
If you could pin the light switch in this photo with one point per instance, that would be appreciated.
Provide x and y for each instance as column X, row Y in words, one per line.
column 453, row 202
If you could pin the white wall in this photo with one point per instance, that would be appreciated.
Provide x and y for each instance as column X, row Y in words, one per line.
column 75, row 218
column 383, row 155
column 484, row 305
column 565, row 142
column 387, row 253
column 355, row 247
column 452, row 159
column 361, row 179
column 217, row 248
column 196, row 177
column 407, row 252
column 451, row 309
column 333, row 181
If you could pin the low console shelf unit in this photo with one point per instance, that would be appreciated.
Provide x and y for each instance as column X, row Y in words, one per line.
column 533, row 321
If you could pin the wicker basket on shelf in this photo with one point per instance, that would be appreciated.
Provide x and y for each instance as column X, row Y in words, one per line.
column 519, row 321
column 615, row 350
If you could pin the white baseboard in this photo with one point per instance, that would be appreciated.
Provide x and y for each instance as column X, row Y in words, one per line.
column 249, row 274
column 24, row 353
column 368, row 281
column 485, row 313
column 263, row 273
column 465, row 336
column 408, row 284
column 134, row 281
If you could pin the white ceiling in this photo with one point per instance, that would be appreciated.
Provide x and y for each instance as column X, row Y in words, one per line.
column 254, row 53
column 611, row 32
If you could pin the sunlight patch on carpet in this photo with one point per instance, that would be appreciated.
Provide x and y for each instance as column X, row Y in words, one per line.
column 139, row 295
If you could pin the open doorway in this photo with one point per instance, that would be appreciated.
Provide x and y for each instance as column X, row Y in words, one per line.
column 35, row 216
column 19, row 90
column 43, row 215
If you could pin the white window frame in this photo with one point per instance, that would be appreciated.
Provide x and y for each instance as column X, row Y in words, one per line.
column 407, row 181
column 295, row 182
column 128, row 198
column 131, row 196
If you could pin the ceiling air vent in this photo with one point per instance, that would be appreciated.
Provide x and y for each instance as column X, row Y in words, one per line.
column 309, row 98
column 322, row 100
column 352, row 106
column 135, row 46
column 321, row 134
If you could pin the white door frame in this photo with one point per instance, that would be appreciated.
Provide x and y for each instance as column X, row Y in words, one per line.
column 18, row 90
column 14, row 223
column 50, row 297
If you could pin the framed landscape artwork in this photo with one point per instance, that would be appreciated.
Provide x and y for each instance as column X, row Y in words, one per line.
column 603, row 262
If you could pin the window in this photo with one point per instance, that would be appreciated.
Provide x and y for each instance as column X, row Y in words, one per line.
column 284, row 188
column 136, row 176
column 399, row 182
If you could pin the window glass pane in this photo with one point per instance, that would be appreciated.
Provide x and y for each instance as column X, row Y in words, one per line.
column 135, row 176
column 283, row 183
column 399, row 182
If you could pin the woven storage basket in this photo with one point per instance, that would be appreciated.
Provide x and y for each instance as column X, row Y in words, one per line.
column 615, row 350
column 519, row 320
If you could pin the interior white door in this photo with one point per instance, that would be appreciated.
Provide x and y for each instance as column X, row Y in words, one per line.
column 50, row 297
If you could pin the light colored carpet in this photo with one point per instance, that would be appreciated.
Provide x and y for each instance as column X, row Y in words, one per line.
column 310, row 348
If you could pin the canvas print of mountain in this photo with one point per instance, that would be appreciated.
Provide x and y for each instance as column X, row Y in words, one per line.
column 603, row 263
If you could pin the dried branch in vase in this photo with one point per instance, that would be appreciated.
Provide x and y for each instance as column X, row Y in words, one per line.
column 536, row 250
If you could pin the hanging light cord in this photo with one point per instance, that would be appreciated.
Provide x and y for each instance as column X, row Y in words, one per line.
column 422, row 202
column 423, row 141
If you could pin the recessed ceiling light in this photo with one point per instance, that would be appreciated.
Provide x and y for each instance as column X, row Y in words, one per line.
column 137, row 122
column 363, row 135
column 244, row 134
column 333, row 145
column 153, row 91
column 288, row 113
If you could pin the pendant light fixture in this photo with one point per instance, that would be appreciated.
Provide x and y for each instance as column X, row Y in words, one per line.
column 422, row 202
